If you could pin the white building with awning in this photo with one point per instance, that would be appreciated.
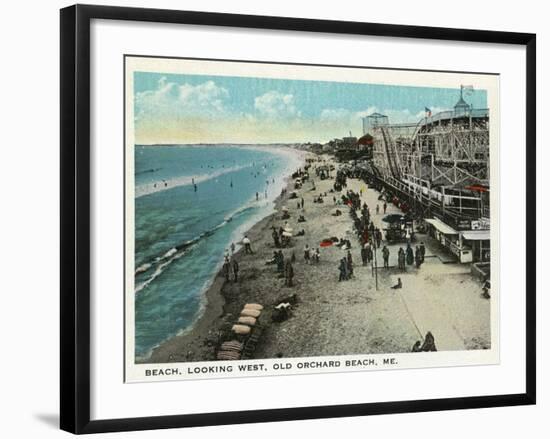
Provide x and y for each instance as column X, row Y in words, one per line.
column 476, row 235
column 466, row 245
column 441, row 227
column 480, row 243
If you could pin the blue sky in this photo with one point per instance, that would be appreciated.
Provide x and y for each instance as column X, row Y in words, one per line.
column 176, row 108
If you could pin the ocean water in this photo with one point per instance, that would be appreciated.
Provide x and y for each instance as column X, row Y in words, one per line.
column 181, row 233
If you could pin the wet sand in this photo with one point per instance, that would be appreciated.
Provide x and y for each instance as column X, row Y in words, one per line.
column 331, row 317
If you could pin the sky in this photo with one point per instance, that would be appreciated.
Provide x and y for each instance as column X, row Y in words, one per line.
column 188, row 109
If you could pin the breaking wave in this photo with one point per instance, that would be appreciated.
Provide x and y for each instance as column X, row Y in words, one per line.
column 160, row 263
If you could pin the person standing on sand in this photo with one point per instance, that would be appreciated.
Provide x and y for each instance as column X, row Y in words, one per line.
column 346, row 271
column 306, row 253
column 349, row 261
column 226, row 269
column 378, row 238
column 386, row 256
column 317, row 256
column 385, row 207
column 280, row 261
column 371, row 231
column 289, row 274
column 302, row 203
column 275, row 236
column 422, row 250
column 235, row 270
column 364, row 258
column 401, row 259
column 410, row 255
column 232, row 248
column 418, row 257
column 342, row 269
column 368, row 251
column 377, row 209
column 247, row 246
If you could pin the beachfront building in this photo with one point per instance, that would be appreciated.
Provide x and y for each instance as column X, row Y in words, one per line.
column 349, row 142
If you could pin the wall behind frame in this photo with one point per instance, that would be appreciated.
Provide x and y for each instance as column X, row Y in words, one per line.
column 29, row 179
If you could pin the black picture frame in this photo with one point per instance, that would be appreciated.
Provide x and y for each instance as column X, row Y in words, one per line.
column 75, row 217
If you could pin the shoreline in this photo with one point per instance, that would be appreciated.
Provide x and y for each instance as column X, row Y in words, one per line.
column 201, row 338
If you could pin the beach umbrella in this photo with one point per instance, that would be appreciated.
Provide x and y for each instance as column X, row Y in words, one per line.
column 287, row 234
column 326, row 243
column 393, row 218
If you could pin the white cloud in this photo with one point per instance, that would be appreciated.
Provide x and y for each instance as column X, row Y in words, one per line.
column 345, row 115
column 276, row 105
column 172, row 99
column 363, row 113
column 333, row 114
column 346, row 119
column 341, row 120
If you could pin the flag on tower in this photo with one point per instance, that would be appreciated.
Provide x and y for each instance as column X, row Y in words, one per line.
column 467, row 89
column 428, row 112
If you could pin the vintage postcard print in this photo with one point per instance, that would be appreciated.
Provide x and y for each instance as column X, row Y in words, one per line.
column 290, row 219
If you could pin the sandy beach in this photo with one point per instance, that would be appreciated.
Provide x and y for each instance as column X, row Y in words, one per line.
column 331, row 317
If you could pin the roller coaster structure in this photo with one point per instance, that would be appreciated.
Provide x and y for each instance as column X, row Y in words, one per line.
column 442, row 160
